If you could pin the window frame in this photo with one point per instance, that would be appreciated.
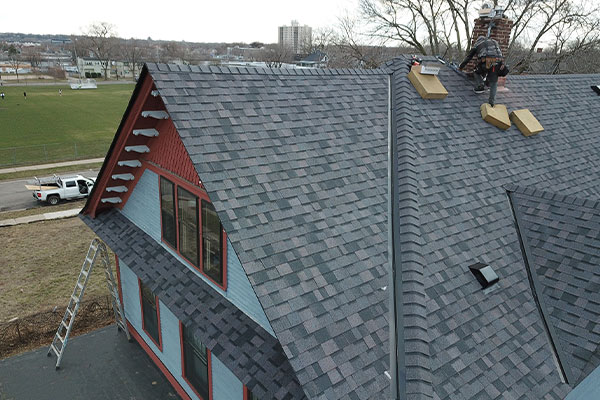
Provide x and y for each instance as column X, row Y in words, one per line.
column 158, row 325
column 209, row 367
column 198, row 226
column 160, row 194
column 223, row 246
column 201, row 195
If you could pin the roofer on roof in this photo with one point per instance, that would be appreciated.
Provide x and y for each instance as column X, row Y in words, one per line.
column 490, row 65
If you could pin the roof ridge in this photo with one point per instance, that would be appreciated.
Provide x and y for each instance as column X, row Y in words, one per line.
column 419, row 381
column 556, row 76
column 248, row 70
column 554, row 196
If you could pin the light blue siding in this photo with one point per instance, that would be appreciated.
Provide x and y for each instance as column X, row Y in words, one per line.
column 143, row 209
column 225, row 385
column 588, row 389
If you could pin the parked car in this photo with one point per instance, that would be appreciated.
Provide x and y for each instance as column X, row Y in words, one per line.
column 57, row 188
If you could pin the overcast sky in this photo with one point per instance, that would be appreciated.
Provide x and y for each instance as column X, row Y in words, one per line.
column 192, row 21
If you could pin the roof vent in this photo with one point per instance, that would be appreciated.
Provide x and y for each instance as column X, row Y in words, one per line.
column 596, row 88
column 484, row 274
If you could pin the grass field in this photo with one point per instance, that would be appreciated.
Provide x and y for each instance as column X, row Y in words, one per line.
column 78, row 124
column 40, row 264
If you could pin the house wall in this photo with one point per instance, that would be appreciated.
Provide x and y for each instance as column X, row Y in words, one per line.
column 225, row 385
column 143, row 209
column 588, row 389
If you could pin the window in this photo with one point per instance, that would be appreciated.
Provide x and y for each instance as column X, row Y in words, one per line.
column 212, row 245
column 167, row 210
column 195, row 363
column 248, row 395
column 187, row 216
column 191, row 227
column 70, row 184
column 150, row 314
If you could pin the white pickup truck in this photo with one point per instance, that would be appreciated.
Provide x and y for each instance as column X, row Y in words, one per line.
column 58, row 188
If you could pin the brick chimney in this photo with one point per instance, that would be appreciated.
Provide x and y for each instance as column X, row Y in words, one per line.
column 500, row 32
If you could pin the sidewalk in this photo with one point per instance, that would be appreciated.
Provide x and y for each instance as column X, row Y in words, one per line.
column 40, row 217
column 53, row 165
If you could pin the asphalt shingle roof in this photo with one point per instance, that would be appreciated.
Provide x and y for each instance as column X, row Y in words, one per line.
column 295, row 164
column 241, row 344
column 563, row 233
column 486, row 345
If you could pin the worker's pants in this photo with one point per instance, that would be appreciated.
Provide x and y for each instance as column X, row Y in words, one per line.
column 492, row 79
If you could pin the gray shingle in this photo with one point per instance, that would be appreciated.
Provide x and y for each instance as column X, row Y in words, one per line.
column 564, row 235
column 250, row 352
column 309, row 163
column 459, row 213
column 295, row 165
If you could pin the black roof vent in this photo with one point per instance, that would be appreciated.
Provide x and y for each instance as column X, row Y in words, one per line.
column 596, row 89
column 485, row 274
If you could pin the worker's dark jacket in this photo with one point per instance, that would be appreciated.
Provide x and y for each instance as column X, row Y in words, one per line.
column 483, row 48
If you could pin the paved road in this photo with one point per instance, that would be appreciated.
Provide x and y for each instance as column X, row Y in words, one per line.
column 100, row 365
column 14, row 195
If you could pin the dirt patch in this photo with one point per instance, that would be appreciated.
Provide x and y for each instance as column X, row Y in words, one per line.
column 37, row 330
column 39, row 265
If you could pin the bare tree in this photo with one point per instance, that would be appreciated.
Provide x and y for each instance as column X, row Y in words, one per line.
column 100, row 39
column 133, row 53
column 412, row 22
column 436, row 26
column 175, row 52
column 575, row 48
column 350, row 47
column 33, row 56
column 14, row 56
column 274, row 56
column 536, row 20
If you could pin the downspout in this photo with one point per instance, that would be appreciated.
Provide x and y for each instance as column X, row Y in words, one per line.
column 397, row 361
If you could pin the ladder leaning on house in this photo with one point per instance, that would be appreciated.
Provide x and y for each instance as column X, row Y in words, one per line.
column 96, row 251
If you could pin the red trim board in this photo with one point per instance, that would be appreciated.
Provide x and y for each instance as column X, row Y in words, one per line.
column 159, row 344
column 208, row 357
column 178, row 388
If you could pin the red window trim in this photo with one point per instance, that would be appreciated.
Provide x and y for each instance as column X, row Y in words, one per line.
column 202, row 196
column 223, row 248
column 175, row 209
column 208, row 358
column 246, row 394
column 177, row 223
column 178, row 388
column 159, row 344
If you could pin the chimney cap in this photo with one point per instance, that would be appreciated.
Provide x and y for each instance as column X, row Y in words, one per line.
column 491, row 12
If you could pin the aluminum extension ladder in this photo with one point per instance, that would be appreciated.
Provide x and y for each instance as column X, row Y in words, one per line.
column 97, row 250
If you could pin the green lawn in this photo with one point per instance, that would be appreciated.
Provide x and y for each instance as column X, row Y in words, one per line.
column 78, row 124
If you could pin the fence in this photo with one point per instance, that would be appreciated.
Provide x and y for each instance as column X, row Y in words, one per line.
column 38, row 329
column 35, row 154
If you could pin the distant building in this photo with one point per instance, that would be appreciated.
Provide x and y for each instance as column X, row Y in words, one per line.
column 295, row 37
column 89, row 67
column 316, row 59
column 61, row 41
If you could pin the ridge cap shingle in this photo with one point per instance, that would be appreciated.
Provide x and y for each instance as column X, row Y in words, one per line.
column 253, row 70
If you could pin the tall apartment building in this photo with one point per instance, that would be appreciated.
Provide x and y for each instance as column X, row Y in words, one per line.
column 295, row 37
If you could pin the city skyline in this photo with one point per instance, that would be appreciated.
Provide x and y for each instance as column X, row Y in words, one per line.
column 241, row 21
